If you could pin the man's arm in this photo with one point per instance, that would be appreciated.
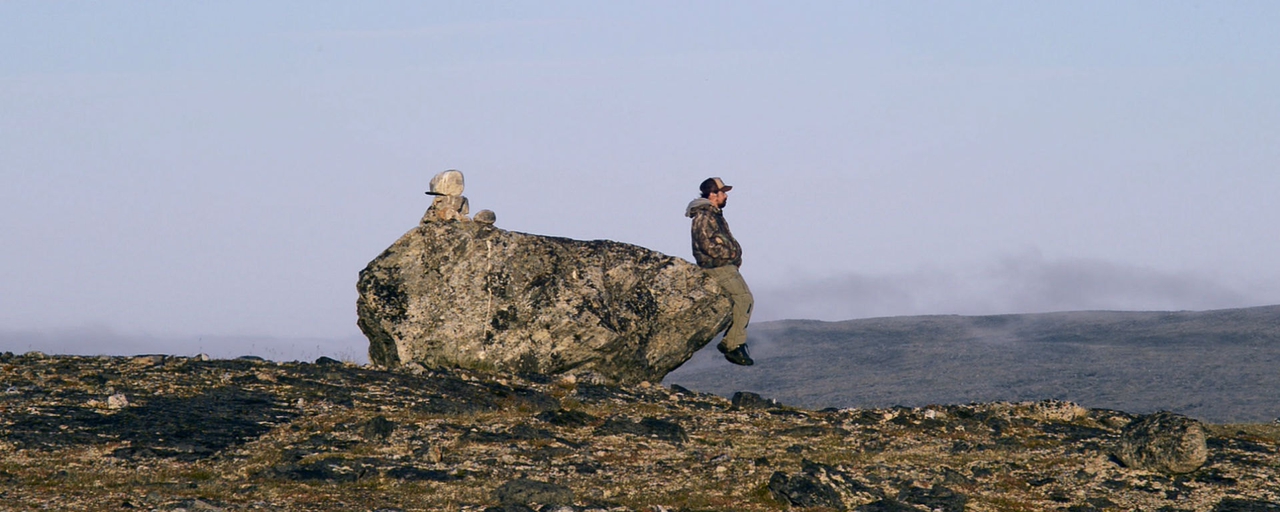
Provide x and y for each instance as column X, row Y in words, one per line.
column 713, row 241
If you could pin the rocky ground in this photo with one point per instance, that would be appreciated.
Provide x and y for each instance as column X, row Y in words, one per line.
column 173, row 433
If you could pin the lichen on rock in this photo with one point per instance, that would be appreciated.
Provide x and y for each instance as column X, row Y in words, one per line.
column 1165, row 442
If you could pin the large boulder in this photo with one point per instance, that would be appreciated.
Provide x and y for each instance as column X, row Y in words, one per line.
column 467, row 294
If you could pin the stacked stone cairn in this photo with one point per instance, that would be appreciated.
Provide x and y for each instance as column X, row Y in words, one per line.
column 449, row 203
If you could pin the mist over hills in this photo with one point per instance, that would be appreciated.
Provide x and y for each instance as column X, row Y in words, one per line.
column 1219, row 366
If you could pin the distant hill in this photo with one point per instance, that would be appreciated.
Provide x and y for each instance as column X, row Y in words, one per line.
column 1220, row 366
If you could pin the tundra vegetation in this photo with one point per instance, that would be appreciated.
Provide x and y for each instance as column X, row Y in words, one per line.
column 170, row 433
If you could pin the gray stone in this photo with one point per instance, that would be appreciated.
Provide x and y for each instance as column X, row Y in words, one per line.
column 648, row 427
column 448, row 183
column 1165, row 442
column 802, row 490
column 475, row 296
column 749, row 400
column 937, row 498
column 117, row 401
column 379, row 428
column 523, row 491
column 148, row 359
column 447, row 208
column 1245, row 505
column 559, row 508
column 449, row 204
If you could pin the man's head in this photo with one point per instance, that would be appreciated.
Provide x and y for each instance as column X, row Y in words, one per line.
column 715, row 190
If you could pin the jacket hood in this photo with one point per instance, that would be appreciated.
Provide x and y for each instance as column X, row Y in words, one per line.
column 700, row 203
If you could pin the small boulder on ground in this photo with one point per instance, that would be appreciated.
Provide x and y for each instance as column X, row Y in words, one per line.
column 749, row 400
column 804, row 490
column 1165, row 442
column 523, row 491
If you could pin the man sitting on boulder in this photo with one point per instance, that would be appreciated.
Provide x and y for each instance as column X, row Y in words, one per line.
column 715, row 249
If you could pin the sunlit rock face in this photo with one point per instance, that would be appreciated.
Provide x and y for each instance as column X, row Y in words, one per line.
column 467, row 294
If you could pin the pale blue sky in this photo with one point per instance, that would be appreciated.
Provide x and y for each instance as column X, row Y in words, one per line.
column 183, row 169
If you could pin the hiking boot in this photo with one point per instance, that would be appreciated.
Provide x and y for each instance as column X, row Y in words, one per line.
column 738, row 355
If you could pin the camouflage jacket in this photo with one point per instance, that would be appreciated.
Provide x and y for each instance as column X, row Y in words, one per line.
column 713, row 244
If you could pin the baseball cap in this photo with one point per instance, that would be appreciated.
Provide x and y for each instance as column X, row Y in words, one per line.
column 710, row 185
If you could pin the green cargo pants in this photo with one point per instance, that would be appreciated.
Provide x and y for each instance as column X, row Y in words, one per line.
column 733, row 284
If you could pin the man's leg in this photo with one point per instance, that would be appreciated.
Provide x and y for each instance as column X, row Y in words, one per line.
column 740, row 295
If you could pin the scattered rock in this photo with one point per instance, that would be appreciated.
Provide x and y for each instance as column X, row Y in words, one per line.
column 197, row 505
column 937, row 498
column 565, row 418
column 411, row 473
column 647, row 427
column 1165, row 442
column 1057, row 410
column 148, row 359
column 748, row 400
column 512, row 507
column 459, row 294
column 327, row 361
column 886, row 505
column 561, row 508
column 678, row 389
column 378, row 428
column 600, row 393
column 117, row 401
column 821, row 485
column 458, row 397
column 523, row 491
column 804, row 490
column 330, row 469
column 1241, row 505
